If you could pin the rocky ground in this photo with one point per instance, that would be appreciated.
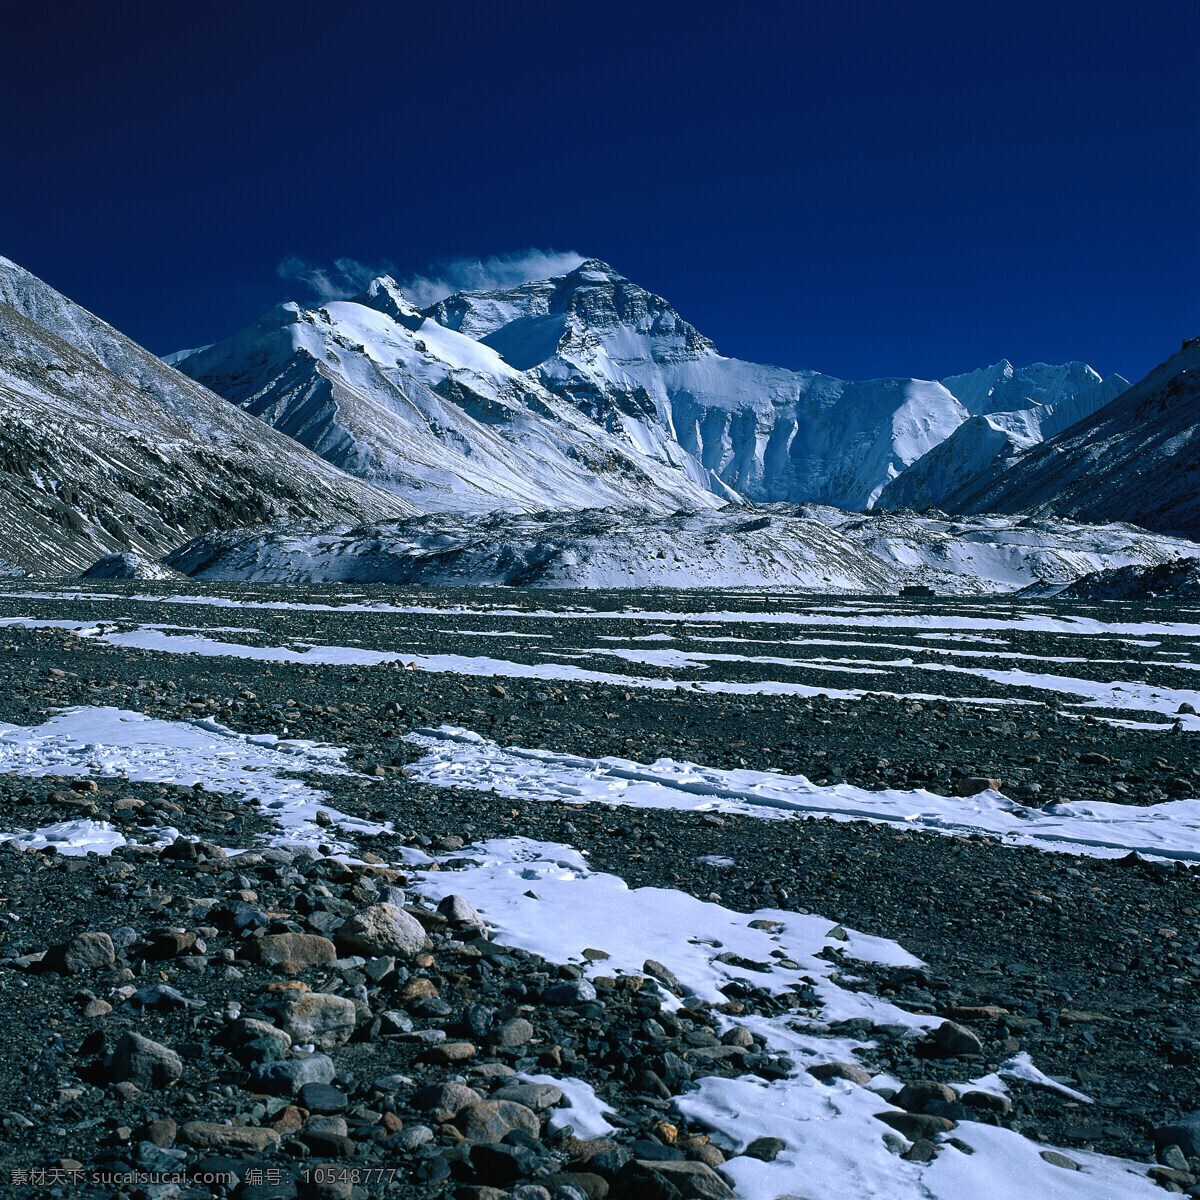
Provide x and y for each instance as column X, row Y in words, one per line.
column 154, row 1034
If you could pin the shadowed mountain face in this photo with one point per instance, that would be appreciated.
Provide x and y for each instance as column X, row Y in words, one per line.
column 587, row 390
column 103, row 447
column 1136, row 459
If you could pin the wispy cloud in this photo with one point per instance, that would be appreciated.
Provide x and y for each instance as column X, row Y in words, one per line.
column 487, row 274
column 347, row 276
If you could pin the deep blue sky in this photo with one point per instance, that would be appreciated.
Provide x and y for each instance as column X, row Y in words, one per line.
column 864, row 189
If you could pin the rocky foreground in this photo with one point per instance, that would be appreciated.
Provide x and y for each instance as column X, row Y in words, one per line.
column 298, row 1025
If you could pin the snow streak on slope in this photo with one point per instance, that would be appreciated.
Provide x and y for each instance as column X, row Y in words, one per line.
column 104, row 448
column 115, row 742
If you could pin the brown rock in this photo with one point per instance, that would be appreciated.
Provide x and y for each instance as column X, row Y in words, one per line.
column 449, row 1053
column 976, row 1012
column 664, row 975
column 160, row 1133
column 915, row 1095
column 987, row 1101
column 975, row 784
column 289, row 1120
column 951, row 1038
column 289, row 953
column 209, row 1135
column 840, row 1070
column 493, row 1120
column 164, row 943
column 916, row 1125
column 765, row 1149
column 921, row 1151
column 416, row 988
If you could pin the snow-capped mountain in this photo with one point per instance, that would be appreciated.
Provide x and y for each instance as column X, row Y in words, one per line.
column 628, row 359
column 585, row 390
column 1136, row 459
column 104, row 448
column 807, row 548
column 376, row 388
column 1012, row 411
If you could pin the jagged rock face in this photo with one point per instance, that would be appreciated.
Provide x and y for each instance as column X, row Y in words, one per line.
column 104, row 448
column 1135, row 459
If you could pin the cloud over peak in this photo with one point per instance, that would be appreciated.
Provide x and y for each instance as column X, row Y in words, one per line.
column 347, row 276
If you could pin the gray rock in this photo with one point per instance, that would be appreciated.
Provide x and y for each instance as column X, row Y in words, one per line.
column 1184, row 1133
column 321, row 1098
column 571, row 991
column 460, row 912
column 444, row 1101
column 287, row 1078
column 91, row 951
column 247, row 1029
column 383, row 929
column 162, row 997
column 516, row 1032
column 136, row 1059
column 532, row 1095
column 690, row 1180
column 411, row 1137
column 325, row 1021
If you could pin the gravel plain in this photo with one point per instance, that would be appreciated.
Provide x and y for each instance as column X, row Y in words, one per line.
column 1089, row 964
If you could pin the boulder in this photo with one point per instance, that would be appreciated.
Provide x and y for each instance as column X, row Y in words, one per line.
column 137, row 1059
column 383, row 929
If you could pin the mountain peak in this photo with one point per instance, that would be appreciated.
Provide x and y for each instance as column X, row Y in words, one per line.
column 384, row 295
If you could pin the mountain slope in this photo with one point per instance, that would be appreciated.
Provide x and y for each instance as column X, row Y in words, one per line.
column 1012, row 411
column 376, row 388
column 629, row 360
column 105, row 448
column 1136, row 459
